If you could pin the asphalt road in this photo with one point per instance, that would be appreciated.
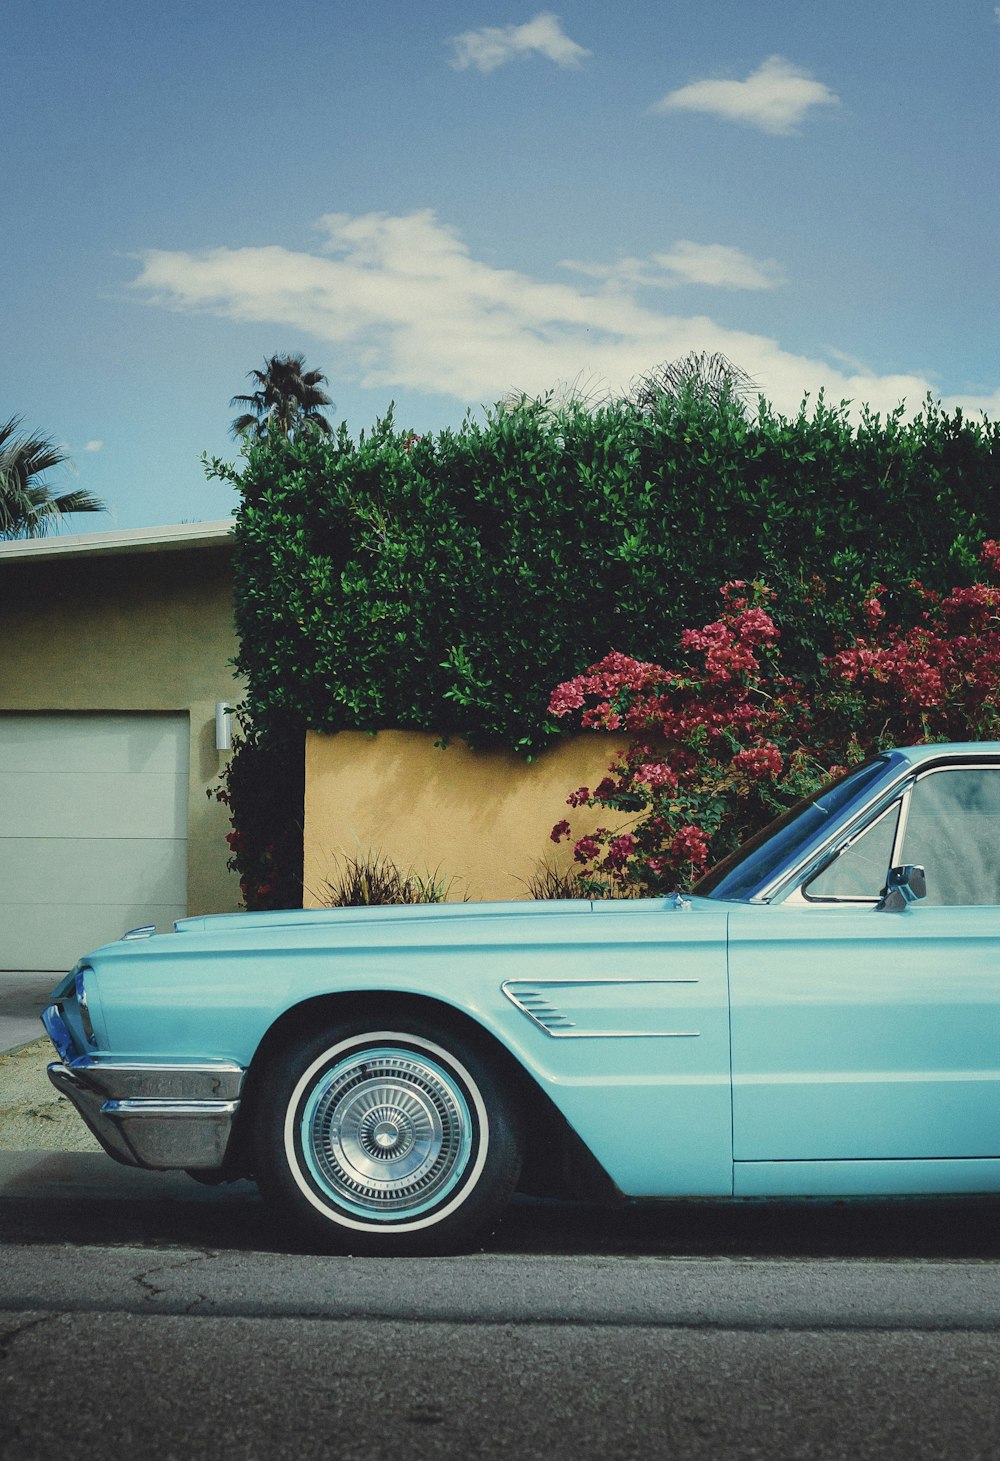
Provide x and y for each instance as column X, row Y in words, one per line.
column 190, row 1353
column 163, row 1319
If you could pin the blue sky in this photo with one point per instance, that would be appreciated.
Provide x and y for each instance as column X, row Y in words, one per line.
column 438, row 203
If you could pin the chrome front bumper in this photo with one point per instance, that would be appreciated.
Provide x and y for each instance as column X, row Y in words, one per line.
column 158, row 1116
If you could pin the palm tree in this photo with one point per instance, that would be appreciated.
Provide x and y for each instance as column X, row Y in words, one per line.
column 583, row 392
column 28, row 506
column 285, row 401
column 714, row 376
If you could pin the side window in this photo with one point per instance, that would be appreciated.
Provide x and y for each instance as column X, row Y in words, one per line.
column 860, row 870
column 953, row 831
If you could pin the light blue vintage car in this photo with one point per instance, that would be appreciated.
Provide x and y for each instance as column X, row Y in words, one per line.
column 821, row 1017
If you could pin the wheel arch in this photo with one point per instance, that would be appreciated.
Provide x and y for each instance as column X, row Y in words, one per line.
column 557, row 1163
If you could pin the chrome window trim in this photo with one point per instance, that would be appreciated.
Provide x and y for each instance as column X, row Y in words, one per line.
column 793, row 877
column 982, row 764
column 799, row 873
column 959, row 766
column 904, row 816
column 799, row 895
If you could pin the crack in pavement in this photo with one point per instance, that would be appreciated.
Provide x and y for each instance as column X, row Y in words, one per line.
column 154, row 1292
column 8, row 1337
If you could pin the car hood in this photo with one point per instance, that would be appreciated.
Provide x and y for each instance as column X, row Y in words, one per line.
column 423, row 913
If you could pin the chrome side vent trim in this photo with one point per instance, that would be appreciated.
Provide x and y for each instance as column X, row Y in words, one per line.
column 562, row 1009
column 538, row 1008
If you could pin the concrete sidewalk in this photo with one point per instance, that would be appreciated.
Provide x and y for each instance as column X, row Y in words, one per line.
column 23, row 996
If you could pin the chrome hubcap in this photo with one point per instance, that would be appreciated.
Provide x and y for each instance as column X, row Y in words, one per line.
column 387, row 1136
column 386, row 1132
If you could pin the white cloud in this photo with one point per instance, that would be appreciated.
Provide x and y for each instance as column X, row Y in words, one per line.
column 74, row 451
column 718, row 265
column 404, row 305
column 775, row 98
column 493, row 46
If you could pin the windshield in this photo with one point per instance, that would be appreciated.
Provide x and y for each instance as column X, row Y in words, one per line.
column 752, row 866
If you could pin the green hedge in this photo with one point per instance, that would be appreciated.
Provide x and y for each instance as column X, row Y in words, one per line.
column 449, row 582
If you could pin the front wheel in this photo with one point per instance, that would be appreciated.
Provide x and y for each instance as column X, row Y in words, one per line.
column 387, row 1140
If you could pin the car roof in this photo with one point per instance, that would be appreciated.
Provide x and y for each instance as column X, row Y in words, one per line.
column 938, row 750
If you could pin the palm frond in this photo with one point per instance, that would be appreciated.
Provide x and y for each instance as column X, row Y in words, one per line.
column 28, row 505
column 697, row 373
column 77, row 500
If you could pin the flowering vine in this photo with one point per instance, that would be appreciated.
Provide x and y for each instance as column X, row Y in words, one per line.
column 723, row 740
column 939, row 679
column 711, row 757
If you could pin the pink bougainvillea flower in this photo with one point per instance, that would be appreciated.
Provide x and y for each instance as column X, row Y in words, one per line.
column 723, row 738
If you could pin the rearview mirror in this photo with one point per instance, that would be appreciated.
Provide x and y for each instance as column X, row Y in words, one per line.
column 904, row 885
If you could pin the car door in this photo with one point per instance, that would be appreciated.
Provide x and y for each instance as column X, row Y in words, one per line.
column 860, row 1035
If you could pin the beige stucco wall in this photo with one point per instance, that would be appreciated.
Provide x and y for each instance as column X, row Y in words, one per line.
column 143, row 631
column 480, row 817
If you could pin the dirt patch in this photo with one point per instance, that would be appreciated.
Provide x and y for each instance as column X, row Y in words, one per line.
column 33, row 1115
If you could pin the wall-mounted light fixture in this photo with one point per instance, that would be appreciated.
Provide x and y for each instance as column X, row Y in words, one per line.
column 223, row 726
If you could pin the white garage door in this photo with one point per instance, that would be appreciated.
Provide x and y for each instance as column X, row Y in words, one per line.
column 93, row 831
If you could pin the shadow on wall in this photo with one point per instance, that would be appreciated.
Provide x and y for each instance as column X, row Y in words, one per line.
column 478, row 819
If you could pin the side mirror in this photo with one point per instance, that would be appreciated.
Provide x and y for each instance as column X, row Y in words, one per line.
column 905, row 885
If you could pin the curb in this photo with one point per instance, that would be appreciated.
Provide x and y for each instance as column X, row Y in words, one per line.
column 94, row 1177
column 16, row 1049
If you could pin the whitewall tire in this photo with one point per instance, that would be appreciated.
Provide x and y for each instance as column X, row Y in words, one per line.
column 387, row 1140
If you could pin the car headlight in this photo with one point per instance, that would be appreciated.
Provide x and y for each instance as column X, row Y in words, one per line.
column 81, row 999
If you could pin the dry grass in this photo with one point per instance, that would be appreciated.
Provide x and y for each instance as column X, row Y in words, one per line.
column 375, row 879
column 33, row 1115
column 553, row 882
